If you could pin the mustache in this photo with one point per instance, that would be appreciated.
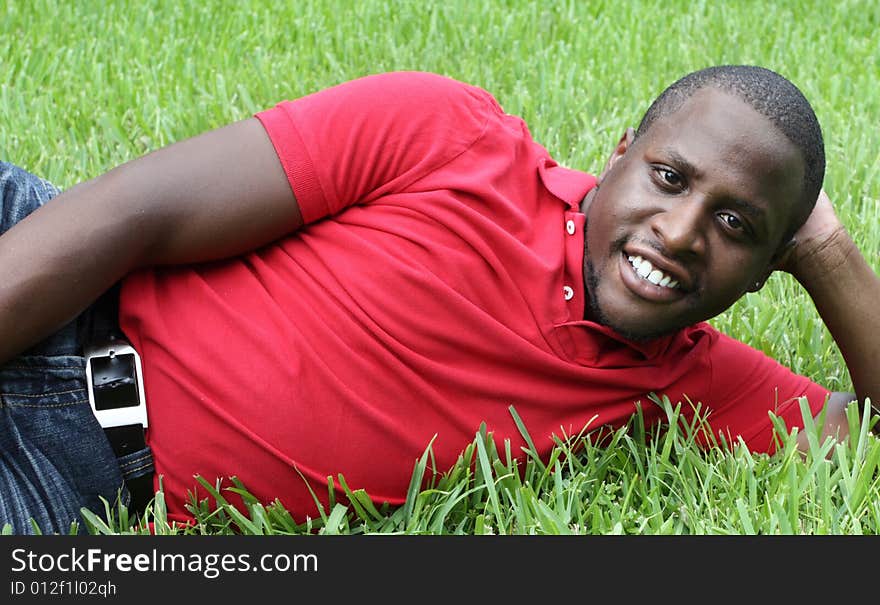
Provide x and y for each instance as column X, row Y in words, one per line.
column 619, row 244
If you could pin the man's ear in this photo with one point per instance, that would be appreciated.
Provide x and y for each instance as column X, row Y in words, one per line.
column 622, row 145
column 777, row 263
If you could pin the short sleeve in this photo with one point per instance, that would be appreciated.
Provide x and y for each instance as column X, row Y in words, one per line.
column 354, row 142
column 746, row 386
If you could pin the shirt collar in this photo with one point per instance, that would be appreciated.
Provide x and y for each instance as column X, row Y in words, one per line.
column 600, row 346
column 565, row 183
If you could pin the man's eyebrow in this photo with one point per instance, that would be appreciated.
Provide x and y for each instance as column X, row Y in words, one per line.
column 680, row 161
column 746, row 207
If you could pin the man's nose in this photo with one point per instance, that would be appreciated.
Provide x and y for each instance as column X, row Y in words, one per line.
column 680, row 227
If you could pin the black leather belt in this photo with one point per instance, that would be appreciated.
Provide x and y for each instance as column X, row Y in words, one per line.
column 116, row 394
column 128, row 439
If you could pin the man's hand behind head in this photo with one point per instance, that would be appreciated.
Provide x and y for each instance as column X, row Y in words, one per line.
column 818, row 240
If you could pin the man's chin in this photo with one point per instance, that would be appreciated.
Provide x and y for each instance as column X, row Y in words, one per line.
column 636, row 335
column 632, row 329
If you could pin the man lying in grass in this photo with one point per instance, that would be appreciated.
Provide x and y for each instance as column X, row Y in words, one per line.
column 326, row 287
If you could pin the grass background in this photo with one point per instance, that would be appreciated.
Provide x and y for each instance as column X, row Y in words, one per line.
column 87, row 85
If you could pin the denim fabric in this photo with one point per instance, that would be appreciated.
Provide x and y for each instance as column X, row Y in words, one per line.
column 54, row 456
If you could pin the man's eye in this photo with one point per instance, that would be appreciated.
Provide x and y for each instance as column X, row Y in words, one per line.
column 669, row 177
column 731, row 221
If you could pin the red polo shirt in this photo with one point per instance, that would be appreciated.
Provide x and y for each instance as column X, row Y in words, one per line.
column 438, row 282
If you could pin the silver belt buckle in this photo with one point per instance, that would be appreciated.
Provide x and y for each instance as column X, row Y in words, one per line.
column 116, row 385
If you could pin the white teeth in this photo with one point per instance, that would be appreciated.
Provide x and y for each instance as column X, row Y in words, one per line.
column 646, row 270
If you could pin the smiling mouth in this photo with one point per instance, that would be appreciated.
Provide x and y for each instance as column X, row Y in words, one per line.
column 646, row 271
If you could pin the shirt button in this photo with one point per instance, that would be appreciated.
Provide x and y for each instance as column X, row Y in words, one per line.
column 569, row 226
column 567, row 292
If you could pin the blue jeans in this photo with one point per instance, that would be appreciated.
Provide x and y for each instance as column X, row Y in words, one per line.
column 54, row 457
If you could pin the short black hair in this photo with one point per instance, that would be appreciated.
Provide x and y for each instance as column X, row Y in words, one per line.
column 771, row 95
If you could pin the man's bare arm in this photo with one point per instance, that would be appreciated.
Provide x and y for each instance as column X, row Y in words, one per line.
column 213, row 196
column 845, row 290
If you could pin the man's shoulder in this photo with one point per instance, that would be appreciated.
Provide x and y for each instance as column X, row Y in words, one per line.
column 424, row 91
column 416, row 80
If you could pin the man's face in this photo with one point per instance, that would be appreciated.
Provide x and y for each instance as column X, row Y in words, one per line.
column 705, row 197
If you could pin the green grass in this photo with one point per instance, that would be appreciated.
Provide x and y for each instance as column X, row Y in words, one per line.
column 87, row 85
column 635, row 480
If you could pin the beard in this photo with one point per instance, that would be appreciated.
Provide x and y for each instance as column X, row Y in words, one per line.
column 594, row 308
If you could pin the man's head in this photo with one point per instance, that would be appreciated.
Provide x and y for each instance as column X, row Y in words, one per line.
column 769, row 94
column 725, row 166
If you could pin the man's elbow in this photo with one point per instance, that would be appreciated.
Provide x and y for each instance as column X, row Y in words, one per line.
column 834, row 424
